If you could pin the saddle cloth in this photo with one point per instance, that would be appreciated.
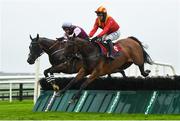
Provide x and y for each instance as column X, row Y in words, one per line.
column 104, row 48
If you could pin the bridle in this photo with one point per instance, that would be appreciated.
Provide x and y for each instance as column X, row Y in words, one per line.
column 40, row 51
column 48, row 50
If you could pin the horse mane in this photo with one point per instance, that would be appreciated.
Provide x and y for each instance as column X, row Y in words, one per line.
column 45, row 39
column 78, row 39
column 82, row 43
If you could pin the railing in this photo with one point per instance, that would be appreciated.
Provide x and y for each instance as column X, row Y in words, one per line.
column 164, row 66
column 157, row 69
column 20, row 92
column 10, row 80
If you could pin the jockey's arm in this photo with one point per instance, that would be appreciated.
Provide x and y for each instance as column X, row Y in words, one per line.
column 95, row 27
column 66, row 36
column 75, row 33
column 106, row 29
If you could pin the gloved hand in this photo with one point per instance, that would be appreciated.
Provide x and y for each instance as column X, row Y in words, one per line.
column 94, row 39
column 60, row 39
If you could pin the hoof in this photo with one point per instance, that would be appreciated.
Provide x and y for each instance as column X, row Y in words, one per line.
column 58, row 94
column 72, row 101
column 125, row 77
column 145, row 74
column 109, row 76
column 148, row 71
column 55, row 87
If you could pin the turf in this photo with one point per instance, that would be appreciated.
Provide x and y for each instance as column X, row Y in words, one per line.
column 23, row 111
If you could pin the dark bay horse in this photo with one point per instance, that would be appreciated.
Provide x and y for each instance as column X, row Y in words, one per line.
column 55, row 50
column 97, row 65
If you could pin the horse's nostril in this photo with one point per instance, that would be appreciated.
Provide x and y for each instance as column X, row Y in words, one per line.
column 30, row 61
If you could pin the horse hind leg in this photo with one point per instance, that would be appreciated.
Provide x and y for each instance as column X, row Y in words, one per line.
column 144, row 73
column 139, row 60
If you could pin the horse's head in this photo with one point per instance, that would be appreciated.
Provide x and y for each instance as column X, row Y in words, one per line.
column 35, row 50
column 78, row 46
column 71, row 49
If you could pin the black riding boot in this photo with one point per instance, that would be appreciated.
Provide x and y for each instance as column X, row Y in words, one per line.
column 110, row 47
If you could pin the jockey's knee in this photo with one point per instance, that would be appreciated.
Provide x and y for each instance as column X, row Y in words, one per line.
column 113, row 36
column 108, row 40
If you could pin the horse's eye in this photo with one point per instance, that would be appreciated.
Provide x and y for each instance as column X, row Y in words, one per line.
column 29, row 54
column 68, row 56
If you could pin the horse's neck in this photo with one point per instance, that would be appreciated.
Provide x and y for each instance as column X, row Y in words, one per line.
column 46, row 44
column 87, row 49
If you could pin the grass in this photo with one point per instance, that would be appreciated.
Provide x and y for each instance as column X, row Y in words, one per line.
column 23, row 111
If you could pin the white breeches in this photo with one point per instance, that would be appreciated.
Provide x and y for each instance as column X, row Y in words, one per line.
column 113, row 36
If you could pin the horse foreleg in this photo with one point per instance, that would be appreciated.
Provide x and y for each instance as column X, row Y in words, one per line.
column 58, row 68
column 109, row 76
column 81, row 74
column 123, row 74
column 50, row 79
column 52, row 70
column 91, row 78
column 46, row 72
column 120, row 71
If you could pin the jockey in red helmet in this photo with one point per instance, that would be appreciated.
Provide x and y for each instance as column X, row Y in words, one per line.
column 110, row 28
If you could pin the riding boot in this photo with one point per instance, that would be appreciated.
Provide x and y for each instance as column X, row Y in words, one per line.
column 110, row 47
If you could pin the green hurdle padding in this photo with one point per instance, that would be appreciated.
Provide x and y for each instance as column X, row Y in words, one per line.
column 116, row 95
column 148, row 102
column 166, row 103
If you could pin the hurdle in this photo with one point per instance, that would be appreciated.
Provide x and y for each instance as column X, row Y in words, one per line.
column 158, row 95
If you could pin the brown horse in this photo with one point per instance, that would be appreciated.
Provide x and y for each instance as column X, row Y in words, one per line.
column 55, row 50
column 97, row 65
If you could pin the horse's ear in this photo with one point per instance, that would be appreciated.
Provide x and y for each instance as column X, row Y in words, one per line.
column 30, row 37
column 37, row 36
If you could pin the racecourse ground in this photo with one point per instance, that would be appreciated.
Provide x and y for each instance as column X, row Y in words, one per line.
column 23, row 111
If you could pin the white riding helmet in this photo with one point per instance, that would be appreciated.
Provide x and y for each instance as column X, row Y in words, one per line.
column 66, row 25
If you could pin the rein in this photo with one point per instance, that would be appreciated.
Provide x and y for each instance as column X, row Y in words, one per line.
column 48, row 50
column 53, row 45
column 57, row 51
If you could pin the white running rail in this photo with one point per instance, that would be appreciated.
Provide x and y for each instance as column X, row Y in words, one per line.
column 16, row 80
column 157, row 69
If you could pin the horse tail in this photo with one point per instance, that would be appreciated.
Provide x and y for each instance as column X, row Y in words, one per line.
column 147, row 58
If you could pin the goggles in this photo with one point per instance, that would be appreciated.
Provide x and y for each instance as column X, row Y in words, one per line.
column 100, row 14
column 65, row 28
